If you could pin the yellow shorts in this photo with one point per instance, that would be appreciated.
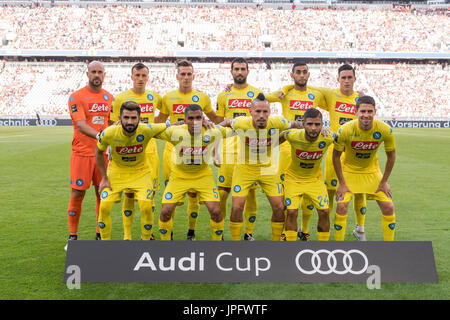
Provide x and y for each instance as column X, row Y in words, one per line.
column 153, row 161
column 364, row 183
column 204, row 187
column 138, row 183
column 331, row 180
column 313, row 190
column 225, row 176
column 284, row 160
column 245, row 176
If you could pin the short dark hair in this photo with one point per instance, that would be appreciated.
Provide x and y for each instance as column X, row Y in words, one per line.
column 259, row 98
column 130, row 106
column 299, row 63
column 312, row 113
column 192, row 107
column 239, row 60
column 365, row 100
column 346, row 67
column 184, row 63
column 139, row 66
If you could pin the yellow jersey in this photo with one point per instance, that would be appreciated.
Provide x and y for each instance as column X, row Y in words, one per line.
column 148, row 101
column 174, row 103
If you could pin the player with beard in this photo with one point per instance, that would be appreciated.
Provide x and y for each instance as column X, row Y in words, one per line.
column 89, row 109
column 304, row 175
column 128, row 170
column 231, row 103
column 294, row 104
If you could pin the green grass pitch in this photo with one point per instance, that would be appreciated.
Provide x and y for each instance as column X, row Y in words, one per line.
column 34, row 194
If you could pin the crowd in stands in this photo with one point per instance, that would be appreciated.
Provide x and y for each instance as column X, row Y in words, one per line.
column 160, row 31
column 402, row 91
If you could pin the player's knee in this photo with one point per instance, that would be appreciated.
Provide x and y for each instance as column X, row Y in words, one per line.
column 166, row 214
column 216, row 214
column 342, row 207
column 387, row 208
column 78, row 193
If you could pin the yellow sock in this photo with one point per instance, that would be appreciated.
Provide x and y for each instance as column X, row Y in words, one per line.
column 146, row 207
column 277, row 229
column 360, row 206
column 323, row 236
column 307, row 212
column 388, row 225
column 235, row 230
column 216, row 229
column 290, row 235
column 127, row 217
column 104, row 219
column 193, row 209
column 250, row 210
column 165, row 229
column 340, row 222
column 223, row 195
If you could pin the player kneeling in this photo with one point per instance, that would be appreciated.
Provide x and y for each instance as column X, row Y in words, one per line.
column 304, row 175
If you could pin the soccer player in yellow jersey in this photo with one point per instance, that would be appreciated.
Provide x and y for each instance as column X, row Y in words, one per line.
column 233, row 103
column 128, row 170
column 359, row 171
column 191, row 171
column 173, row 105
column 149, row 101
column 258, row 133
column 304, row 175
column 294, row 104
column 341, row 105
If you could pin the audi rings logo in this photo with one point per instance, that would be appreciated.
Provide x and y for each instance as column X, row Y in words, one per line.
column 47, row 122
column 331, row 262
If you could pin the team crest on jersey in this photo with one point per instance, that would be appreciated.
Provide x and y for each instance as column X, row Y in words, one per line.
column 105, row 96
column 163, row 231
column 356, row 99
column 104, row 194
column 194, row 215
column 310, row 207
column 311, row 96
column 282, row 177
column 221, row 178
column 150, row 97
column 195, row 98
column 250, row 94
column 219, row 232
column 148, row 227
column 206, row 139
column 127, row 213
column 237, row 188
column 168, row 196
column 140, row 138
column 101, row 225
column 334, row 182
column 337, row 227
column 376, row 135
column 252, row 219
column 271, row 131
column 322, row 144
column 79, row 182
column 287, row 201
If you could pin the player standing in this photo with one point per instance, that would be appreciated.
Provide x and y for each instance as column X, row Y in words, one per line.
column 149, row 100
column 294, row 104
column 340, row 103
column 233, row 103
column 128, row 171
column 173, row 105
column 304, row 175
column 359, row 171
column 89, row 109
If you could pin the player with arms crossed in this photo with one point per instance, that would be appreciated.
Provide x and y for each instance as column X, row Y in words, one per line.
column 234, row 102
column 149, row 100
column 89, row 109
column 359, row 171
column 190, row 171
column 304, row 175
column 257, row 135
column 340, row 103
column 173, row 105
column 128, row 170
column 294, row 104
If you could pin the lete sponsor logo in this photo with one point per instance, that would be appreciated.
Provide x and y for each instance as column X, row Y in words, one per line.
column 300, row 105
column 146, row 107
column 179, row 108
column 129, row 149
column 98, row 107
column 308, row 155
column 239, row 103
column 345, row 108
column 258, row 142
column 364, row 145
column 193, row 151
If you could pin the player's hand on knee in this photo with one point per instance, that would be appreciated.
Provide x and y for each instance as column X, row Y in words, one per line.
column 104, row 184
column 341, row 191
column 385, row 188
